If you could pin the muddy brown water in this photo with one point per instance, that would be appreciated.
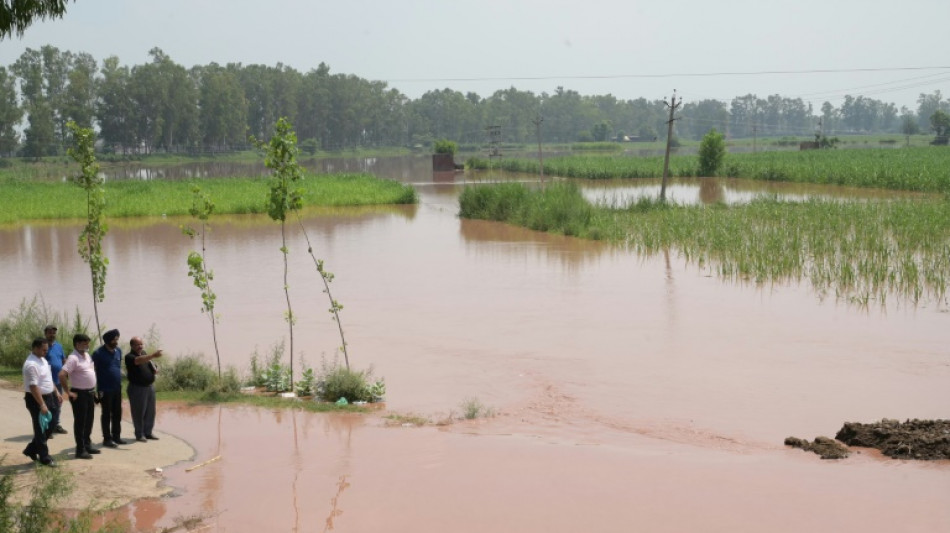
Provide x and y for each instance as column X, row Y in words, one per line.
column 629, row 393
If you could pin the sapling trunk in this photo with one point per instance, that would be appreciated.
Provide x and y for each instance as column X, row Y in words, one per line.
column 327, row 277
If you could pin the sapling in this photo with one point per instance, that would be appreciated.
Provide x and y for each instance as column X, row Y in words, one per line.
column 201, row 209
column 327, row 277
column 280, row 155
column 90, row 240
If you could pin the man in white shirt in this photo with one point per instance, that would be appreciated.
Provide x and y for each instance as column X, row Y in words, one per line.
column 40, row 398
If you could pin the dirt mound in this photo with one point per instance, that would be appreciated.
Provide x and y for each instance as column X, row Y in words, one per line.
column 826, row 447
column 912, row 439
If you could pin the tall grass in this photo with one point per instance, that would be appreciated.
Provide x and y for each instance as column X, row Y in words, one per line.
column 858, row 251
column 24, row 200
column 559, row 208
column 924, row 169
column 27, row 321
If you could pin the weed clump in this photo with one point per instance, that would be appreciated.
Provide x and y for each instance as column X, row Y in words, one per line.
column 337, row 382
column 192, row 373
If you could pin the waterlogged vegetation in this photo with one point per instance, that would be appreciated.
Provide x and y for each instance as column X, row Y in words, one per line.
column 923, row 169
column 26, row 200
column 857, row 251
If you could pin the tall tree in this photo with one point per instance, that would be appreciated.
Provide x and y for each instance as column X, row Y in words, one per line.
column 10, row 113
column 79, row 100
column 40, row 137
column 56, row 66
column 115, row 108
column 927, row 105
column 223, row 108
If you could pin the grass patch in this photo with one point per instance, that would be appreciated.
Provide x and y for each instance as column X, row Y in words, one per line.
column 255, row 400
column 396, row 419
column 558, row 208
column 26, row 200
column 858, row 251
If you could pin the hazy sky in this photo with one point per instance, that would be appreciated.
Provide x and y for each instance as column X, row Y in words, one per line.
column 628, row 48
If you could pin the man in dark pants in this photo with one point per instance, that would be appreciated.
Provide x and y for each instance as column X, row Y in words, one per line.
column 40, row 396
column 78, row 378
column 141, row 372
column 56, row 358
column 108, row 362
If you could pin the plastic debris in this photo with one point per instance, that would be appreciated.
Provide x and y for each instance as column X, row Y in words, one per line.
column 342, row 401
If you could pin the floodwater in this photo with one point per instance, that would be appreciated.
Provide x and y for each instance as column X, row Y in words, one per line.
column 629, row 393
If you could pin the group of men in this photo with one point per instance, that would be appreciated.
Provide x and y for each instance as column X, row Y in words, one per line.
column 49, row 378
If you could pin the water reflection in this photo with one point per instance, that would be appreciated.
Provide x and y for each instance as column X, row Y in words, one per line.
column 706, row 191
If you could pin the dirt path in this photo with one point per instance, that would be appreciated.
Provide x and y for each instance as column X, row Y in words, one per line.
column 117, row 475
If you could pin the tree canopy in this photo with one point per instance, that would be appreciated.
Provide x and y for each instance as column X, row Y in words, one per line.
column 17, row 15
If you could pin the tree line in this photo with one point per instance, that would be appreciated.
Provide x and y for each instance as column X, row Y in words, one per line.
column 161, row 106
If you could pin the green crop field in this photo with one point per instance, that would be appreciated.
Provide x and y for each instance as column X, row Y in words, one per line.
column 924, row 169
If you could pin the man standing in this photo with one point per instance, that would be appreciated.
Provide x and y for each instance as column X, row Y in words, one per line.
column 108, row 362
column 40, row 397
column 56, row 358
column 80, row 370
column 141, row 372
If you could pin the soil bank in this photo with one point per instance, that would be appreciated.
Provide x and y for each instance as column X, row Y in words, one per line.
column 116, row 476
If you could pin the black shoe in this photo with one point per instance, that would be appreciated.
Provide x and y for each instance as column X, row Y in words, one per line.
column 48, row 462
column 60, row 430
column 30, row 454
column 109, row 444
column 140, row 439
column 93, row 450
column 83, row 455
column 151, row 437
column 120, row 441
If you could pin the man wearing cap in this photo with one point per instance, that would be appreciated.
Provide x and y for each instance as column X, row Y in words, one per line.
column 108, row 362
column 56, row 358
column 78, row 377
column 40, row 397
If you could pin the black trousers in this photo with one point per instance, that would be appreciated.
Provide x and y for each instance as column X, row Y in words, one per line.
column 38, row 446
column 111, row 404
column 84, row 412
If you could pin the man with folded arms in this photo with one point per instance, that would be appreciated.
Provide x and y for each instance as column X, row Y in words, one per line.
column 40, row 397
column 78, row 378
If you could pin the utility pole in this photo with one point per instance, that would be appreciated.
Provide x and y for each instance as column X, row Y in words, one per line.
column 754, row 138
column 494, row 134
column 673, row 105
column 537, row 125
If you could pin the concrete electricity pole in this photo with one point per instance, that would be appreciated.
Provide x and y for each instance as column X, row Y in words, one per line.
column 673, row 105
column 537, row 125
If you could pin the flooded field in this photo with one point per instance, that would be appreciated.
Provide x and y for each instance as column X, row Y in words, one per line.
column 629, row 393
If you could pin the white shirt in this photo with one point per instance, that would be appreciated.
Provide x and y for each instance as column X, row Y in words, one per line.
column 36, row 372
